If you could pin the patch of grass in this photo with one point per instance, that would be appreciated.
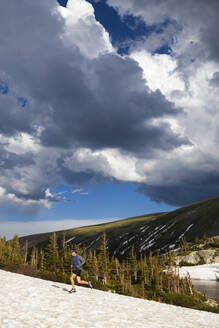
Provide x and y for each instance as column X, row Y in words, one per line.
column 112, row 225
column 185, row 263
column 184, row 253
column 188, row 301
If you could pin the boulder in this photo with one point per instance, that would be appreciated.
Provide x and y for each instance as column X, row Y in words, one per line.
column 205, row 256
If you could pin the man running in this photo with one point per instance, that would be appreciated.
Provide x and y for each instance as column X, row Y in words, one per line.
column 77, row 262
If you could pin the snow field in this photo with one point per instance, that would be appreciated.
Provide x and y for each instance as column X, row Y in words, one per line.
column 202, row 272
column 32, row 302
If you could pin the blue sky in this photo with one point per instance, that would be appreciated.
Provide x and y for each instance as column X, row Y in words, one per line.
column 108, row 110
column 108, row 201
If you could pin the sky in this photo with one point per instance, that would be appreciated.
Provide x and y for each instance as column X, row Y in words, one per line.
column 108, row 109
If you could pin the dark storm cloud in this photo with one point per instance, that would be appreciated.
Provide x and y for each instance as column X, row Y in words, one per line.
column 181, row 184
column 181, row 194
column 214, row 82
column 91, row 103
column 84, row 178
column 108, row 106
column 23, row 44
column 77, row 101
column 75, row 173
column 13, row 118
column 9, row 160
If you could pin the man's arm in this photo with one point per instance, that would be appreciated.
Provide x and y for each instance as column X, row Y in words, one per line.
column 81, row 260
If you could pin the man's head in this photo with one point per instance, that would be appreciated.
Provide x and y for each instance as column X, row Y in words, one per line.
column 73, row 252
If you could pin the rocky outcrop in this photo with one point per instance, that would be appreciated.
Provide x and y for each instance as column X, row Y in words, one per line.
column 198, row 257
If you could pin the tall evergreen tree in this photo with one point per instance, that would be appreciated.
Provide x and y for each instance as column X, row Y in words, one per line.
column 133, row 265
column 51, row 254
column 42, row 260
column 25, row 252
column 15, row 250
column 103, row 260
column 34, row 258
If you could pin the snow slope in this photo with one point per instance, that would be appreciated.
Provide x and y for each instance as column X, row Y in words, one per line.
column 203, row 272
column 31, row 302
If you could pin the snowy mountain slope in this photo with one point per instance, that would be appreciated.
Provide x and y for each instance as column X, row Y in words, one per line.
column 158, row 232
column 32, row 302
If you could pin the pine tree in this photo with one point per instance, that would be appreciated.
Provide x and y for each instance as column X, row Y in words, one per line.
column 133, row 265
column 63, row 251
column 34, row 257
column 2, row 251
column 103, row 260
column 51, row 254
column 94, row 267
column 25, row 253
column 184, row 244
column 41, row 260
column 89, row 262
column 15, row 250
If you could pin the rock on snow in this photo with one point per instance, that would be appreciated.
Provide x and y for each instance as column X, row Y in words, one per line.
column 32, row 302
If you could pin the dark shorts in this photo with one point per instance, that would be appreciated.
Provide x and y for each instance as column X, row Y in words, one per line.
column 77, row 272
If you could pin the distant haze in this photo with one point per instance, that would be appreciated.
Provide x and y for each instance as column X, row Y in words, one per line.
column 8, row 229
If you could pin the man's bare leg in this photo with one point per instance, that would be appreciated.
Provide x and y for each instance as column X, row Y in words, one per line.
column 82, row 282
column 72, row 277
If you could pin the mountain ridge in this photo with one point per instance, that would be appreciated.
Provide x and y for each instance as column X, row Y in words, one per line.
column 158, row 232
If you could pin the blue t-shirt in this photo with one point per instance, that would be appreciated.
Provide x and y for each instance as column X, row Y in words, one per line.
column 78, row 261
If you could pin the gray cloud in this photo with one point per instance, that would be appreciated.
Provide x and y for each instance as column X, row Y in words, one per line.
column 180, row 194
column 177, row 183
column 214, row 82
column 109, row 106
column 9, row 160
column 79, row 101
column 200, row 16
column 79, row 175
column 13, row 118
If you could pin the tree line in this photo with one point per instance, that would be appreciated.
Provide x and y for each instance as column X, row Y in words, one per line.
column 152, row 277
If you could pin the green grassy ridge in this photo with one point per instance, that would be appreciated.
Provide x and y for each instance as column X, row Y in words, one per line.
column 100, row 228
column 90, row 230
column 211, row 205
